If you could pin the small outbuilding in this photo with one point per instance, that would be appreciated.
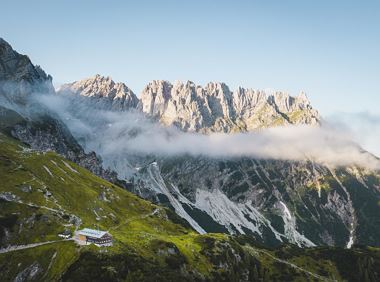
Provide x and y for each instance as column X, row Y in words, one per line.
column 65, row 234
column 88, row 236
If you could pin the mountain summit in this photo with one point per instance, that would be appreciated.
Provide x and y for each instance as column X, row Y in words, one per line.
column 104, row 92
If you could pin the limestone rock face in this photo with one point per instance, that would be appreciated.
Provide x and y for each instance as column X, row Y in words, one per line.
column 103, row 92
column 191, row 107
column 215, row 108
column 19, row 77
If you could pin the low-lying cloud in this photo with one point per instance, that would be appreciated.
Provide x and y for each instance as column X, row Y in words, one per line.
column 116, row 134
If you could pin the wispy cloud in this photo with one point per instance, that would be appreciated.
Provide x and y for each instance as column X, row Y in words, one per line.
column 363, row 128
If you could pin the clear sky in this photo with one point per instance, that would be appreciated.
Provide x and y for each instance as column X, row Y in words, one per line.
column 330, row 49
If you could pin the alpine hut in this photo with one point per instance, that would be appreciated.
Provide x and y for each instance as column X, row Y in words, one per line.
column 88, row 236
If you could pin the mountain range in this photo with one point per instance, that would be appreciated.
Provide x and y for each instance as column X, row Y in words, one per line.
column 190, row 107
column 212, row 218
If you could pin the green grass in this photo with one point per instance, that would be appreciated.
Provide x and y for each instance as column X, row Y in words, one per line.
column 57, row 191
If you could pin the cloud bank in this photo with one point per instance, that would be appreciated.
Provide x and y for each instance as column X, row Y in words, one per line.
column 117, row 134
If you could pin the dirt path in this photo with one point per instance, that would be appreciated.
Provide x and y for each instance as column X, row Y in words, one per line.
column 28, row 246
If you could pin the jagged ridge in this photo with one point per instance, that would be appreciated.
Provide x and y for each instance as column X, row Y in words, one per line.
column 190, row 107
column 215, row 108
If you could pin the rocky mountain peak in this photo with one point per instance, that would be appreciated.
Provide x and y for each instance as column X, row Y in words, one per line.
column 104, row 92
column 19, row 77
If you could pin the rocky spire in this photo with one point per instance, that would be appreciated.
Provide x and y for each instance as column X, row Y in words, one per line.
column 303, row 99
column 154, row 97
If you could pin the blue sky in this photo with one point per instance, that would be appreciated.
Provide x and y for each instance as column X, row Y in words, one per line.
column 330, row 49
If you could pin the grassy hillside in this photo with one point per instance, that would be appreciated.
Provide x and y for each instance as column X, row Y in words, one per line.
column 43, row 194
